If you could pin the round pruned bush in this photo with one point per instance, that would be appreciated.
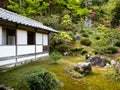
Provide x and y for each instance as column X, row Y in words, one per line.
column 42, row 80
column 85, row 42
column 85, row 35
column 82, row 31
column 76, row 49
column 118, row 59
column 97, row 38
column 111, row 50
column 55, row 56
column 117, row 43
column 83, row 52
column 62, row 48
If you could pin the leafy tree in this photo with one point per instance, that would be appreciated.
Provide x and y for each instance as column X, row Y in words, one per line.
column 58, row 40
column 108, row 12
column 29, row 7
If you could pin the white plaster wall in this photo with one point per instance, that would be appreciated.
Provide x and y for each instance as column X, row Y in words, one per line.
column 21, row 37
column 21, row 50
column 45, row 39
column 25, row 59
column 39, row 48
column 6, row 51
column 4, row 37
column 39, row 38
column 42, row 55
column 12, row 61
column 0, row 35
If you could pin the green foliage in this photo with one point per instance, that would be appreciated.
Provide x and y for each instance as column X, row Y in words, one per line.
column 76, row 49
column 85, row 42
column 62, row 37
column 60, row 42
column 83, row 52
column 42, row 80
column 29, row 7
column 118, row 59
column 55, row 56
column 72, row 35
column 107, row 60
column 117, row 43
column 97, row 38
column 85, row 35
column 111, row 50
column 82, row 31
column 112, row 74
column 62, row 48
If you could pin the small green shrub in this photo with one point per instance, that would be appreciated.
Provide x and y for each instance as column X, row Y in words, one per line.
column 111, row 50
column 112, row 74
column 107, row 60
column 76, row 49
column 118, row 59
column 90, row 32
column 42, row 80
column 82, row 31
column 72, row 35
column 61, row 48
column 86, row 42
column 83, row 52
column 117, row 44
column 55, row 56
column 97, row 38
column 85, row 35
column 95, row 52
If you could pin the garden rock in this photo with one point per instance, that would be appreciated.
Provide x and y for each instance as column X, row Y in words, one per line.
column 3, row 87
column 97, row 61
column 118, row 68
column 83, row 67
column 112, row 62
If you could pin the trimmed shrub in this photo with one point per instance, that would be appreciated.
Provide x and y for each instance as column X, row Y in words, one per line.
column 118, row 59
column 83, row 52
column 85, row 35
column 117, row 44
column 86, row 42
column 42, row 80
column 97, row 38
column 111, row 50
column 62, row 48
column 76, row 49
column 55, row 56
column 82, row 31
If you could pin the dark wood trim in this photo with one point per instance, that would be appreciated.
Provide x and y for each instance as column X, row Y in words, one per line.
column 35, row 44
column 16, row 42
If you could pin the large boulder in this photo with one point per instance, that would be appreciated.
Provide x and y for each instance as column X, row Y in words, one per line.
column 83, row 67
column 97, row 61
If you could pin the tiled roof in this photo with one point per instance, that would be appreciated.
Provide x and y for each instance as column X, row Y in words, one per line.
column 16, row 18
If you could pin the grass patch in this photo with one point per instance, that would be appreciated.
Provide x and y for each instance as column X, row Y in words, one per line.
column 95, row 81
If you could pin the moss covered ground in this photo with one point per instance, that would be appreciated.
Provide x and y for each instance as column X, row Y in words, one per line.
column 96, row 81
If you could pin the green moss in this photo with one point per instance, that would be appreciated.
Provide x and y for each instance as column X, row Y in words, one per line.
column 96, row 81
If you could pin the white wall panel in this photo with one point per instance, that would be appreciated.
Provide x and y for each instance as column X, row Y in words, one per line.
column 25, row 59
column 12, row 61
column 39, row 38
column 6, row 51
column 0, row 35
column 45, row 39
column 21, row 37
column 21, row 50
column 42, row 55
column 39, row 48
